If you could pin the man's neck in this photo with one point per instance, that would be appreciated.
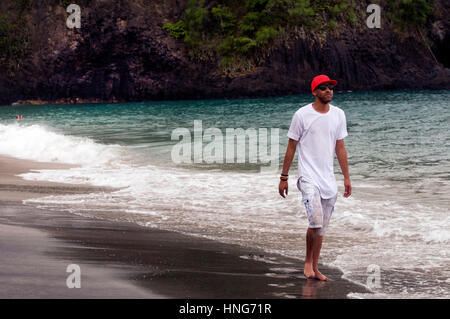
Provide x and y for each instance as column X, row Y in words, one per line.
column 321, row 107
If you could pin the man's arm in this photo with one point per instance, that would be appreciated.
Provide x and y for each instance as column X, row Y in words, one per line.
column 341, row 154
column 290, row 152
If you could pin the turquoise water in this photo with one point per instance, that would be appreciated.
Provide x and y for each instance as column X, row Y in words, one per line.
column 398, row 147
column 397, row 136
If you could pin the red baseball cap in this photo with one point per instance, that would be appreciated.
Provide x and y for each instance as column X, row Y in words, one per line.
column 320, row 79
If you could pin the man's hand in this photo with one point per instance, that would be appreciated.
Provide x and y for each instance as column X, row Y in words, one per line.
column 348, row 187
column 282, row 188
column 290, row 152
column 341, row 154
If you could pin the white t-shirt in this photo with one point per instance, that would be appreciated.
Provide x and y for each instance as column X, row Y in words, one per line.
column 316, row 134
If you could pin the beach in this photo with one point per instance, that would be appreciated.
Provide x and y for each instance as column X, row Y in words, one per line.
column 124, row 260
column 142, row 145
column 118, row 164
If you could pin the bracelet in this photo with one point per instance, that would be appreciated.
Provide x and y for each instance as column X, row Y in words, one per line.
column 283, row 179
column 284, row 175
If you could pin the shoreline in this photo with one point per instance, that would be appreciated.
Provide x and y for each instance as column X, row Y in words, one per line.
column 77, row 101
column 125, row 260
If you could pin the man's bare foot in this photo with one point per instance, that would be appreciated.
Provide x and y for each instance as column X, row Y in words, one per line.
column 320, row 276
column 309, row 272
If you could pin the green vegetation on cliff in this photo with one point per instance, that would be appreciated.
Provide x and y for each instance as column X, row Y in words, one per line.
column 240, row 32
column 14, row 35
column 409, row 13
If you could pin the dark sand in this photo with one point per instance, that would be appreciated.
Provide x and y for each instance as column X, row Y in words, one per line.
column 124, row 260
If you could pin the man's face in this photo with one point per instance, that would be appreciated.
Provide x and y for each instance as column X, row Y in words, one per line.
column 324, row 96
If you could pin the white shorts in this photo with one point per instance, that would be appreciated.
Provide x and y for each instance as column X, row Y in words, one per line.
column 318, row 210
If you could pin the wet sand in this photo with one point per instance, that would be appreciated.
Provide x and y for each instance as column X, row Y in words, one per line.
column 125, row 260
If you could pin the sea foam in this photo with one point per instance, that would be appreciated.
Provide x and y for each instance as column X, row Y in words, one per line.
column 38, row 143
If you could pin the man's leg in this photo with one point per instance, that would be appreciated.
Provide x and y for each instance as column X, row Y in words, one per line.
column 317, row 246
column 312, row 200
column 327, row 209
column 313, row 247
column 308, row 269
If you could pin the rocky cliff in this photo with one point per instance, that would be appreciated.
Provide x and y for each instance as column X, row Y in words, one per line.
column 122, row 53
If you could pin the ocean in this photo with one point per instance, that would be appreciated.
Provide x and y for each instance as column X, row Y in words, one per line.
column 176, row 166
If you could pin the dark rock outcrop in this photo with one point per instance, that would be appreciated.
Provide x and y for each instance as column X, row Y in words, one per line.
column 121, row 53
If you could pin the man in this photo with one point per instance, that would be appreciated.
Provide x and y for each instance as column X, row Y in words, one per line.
column 317, row 130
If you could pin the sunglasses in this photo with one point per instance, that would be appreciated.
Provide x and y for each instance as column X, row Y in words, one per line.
column 323, row 87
